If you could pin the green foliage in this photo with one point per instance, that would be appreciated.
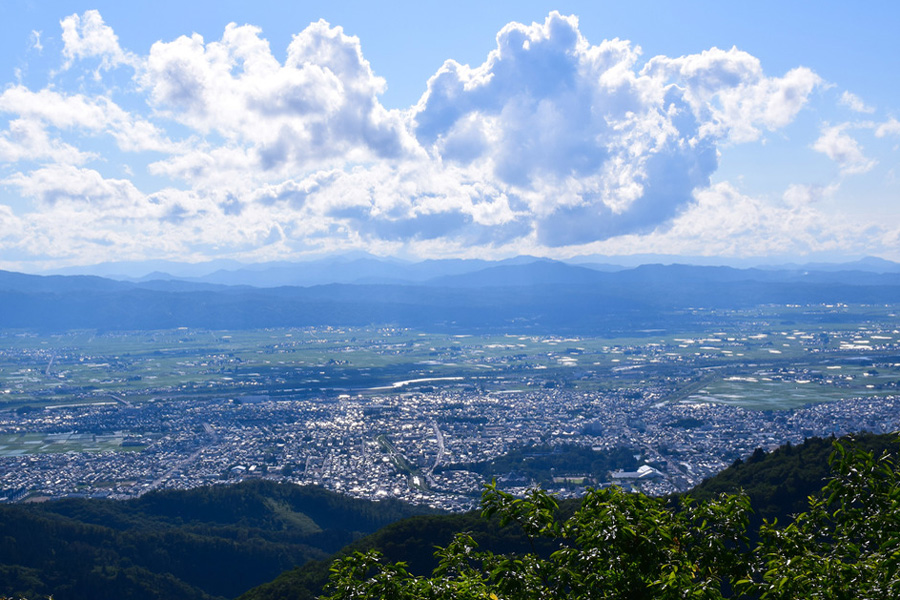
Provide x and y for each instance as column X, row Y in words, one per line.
column 630, row 546
column 847, row 545
column 411, row 541
column 616, row 544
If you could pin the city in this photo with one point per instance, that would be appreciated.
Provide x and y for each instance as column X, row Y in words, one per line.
column 443, row 407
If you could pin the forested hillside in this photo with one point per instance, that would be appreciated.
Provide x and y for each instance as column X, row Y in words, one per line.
column 208, row 542
column 778, row 483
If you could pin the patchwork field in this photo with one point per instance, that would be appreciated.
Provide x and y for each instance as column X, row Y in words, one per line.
column 774, row 357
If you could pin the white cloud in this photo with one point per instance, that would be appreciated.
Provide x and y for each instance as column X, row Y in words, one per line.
column 82, row 215
column 730, row 94
column 229, row 166
column 27, row 139
column 844, row 150
column 53, row 107
column 11, row 226
column 55, row 184
column 591, row 146
column 87, row 36
column 800, row 195
column 855, row 103
column 726, row 222
column 97, row 114
column 36, row 41
column 889, row 127
column 552, row 145
column 319, row 108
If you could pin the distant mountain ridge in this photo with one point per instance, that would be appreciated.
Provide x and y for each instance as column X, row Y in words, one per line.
column 524, row 294
column 367, row 269
column 458, row 273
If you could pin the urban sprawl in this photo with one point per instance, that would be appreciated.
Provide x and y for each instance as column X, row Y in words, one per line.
column 680, row 405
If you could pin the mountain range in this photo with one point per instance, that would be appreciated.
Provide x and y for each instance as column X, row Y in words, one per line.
column 367, row 269
column 522, row 294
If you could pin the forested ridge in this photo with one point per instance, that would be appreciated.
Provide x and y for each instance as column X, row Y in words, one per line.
column 215, row 541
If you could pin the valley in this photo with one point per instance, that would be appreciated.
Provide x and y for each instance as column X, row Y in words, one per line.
column 390, row 411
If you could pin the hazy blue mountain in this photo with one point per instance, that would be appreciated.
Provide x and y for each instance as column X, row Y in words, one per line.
column 869, row 264
column 136, row 270
column 536, row 273
column 24, row 283
column 362, row 268
column 873, row 264
column 344, row 269
column 600, row 266
column 64, row 284
column 522, row 294
column 548, row 272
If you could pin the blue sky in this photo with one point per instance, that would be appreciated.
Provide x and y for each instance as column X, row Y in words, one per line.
column 271, row 130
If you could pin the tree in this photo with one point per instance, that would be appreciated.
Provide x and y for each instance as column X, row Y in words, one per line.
column 617, row 544
column 847, row 545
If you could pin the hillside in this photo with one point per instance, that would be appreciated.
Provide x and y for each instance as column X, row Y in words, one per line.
column 778, row 483
column 202, row 543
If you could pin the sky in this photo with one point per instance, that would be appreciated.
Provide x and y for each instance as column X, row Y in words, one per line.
column 191, row 131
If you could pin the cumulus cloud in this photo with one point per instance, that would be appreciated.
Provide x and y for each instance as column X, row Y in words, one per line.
column 726, row 222
column 55, row 184
column 27, row 139
column 593, row 146
column 229, row 166
column 855, row 103
column 80, row 214
column 93, row 114
column 87, row 36
column 53, row 107
column 731, row 95
column 800, row 195
column 837, row 145
column 416, row 203
column 319, row 106
column 553, row 143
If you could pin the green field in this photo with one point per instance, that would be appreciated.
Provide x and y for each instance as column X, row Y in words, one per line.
column 726, row 362
column 768, row 391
